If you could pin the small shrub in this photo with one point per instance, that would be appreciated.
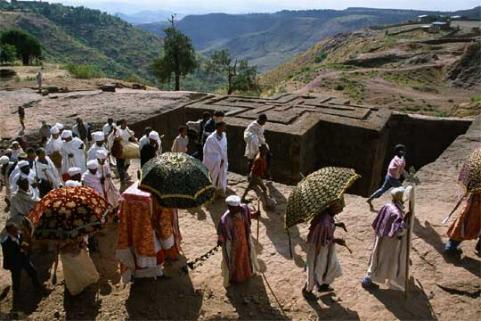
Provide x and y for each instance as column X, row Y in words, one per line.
column 84, row 71
column 320, row 58
column 476, row 99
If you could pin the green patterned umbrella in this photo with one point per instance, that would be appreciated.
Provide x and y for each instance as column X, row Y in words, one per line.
column 317, row 192
column 178, row 180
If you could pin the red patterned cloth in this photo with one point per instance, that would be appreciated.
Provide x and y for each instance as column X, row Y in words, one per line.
column 67, row 213
column 138, row 249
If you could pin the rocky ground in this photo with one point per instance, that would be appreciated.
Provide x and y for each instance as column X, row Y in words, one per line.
column 441, row 289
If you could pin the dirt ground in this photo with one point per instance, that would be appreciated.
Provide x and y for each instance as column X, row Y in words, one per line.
column 442, row 290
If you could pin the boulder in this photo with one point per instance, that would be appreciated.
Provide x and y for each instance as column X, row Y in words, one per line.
column 108, row 88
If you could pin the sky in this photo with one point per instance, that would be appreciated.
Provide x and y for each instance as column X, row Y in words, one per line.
column 245, row 6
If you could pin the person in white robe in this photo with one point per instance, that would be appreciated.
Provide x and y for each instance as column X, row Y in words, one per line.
column 322, row 264
column 91, row 179
column 72, row 151
column 181, row 142
column 108, row 127
column 74, row 177
column 112, row 194
column 99, row 144
column 5, row 165
column 127, row 135
column 387, row 263
column 144, row 140
column 23, row 199
column 46, row 173
column 215, row 157
column 53, row 147
column 24, row 172
column 16, row 150
column 254, row 137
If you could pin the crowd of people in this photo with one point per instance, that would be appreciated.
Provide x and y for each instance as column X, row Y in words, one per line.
column 81, row 156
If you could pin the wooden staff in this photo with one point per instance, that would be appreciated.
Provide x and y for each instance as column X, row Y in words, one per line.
column 408, row 238
column 258, row 219
column 55, row 266
column 454, row 210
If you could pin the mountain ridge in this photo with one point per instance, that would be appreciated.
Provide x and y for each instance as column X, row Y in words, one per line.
column 268, row 39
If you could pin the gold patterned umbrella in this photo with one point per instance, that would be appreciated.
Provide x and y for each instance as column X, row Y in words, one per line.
column 317, row 192
column 470, row 175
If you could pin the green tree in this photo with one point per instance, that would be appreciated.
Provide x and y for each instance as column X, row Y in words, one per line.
column 178, row 57
column 8, row 54
column 27, row 46
column 238, row 74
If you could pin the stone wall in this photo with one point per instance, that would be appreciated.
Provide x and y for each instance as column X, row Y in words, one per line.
column 425, row 137
column 306, row 133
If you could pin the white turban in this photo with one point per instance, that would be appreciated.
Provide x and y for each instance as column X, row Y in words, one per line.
column 92, row 164
column 54, row 130
column 72, row 171
column 233, row 200
column 4, row 160
column 23, row 163
column 66, row 134
column 101, row 154
column 59, row 126
column 98, row 136
column 154, row 135
column 71, row 183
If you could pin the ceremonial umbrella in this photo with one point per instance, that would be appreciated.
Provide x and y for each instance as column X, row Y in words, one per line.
column 178, row 180
column 469, row 178
column 470, row 175
column 316, row 192
column 67, row 213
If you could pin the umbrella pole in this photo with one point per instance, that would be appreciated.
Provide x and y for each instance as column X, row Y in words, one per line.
column 290, row 243
column 55, row 266
column 258, row 219
column 454, row 210
column 408, row 240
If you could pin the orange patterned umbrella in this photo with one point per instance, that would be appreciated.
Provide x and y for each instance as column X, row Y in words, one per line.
column 67, row 213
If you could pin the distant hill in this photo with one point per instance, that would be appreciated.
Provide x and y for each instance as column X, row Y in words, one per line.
column 146, row 16
column 83, row 36
column 400, row 67
column 267, row 40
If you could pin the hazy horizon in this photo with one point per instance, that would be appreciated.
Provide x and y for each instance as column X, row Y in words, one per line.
column 251, row 6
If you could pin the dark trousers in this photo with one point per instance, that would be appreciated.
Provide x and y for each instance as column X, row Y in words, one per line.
column 17, row 275
column 121, row 169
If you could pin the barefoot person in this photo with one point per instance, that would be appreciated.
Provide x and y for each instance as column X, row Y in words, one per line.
column 234, row 232
column 215, row 157
column 395, row 170
column 388, row 258
column 322, row 264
